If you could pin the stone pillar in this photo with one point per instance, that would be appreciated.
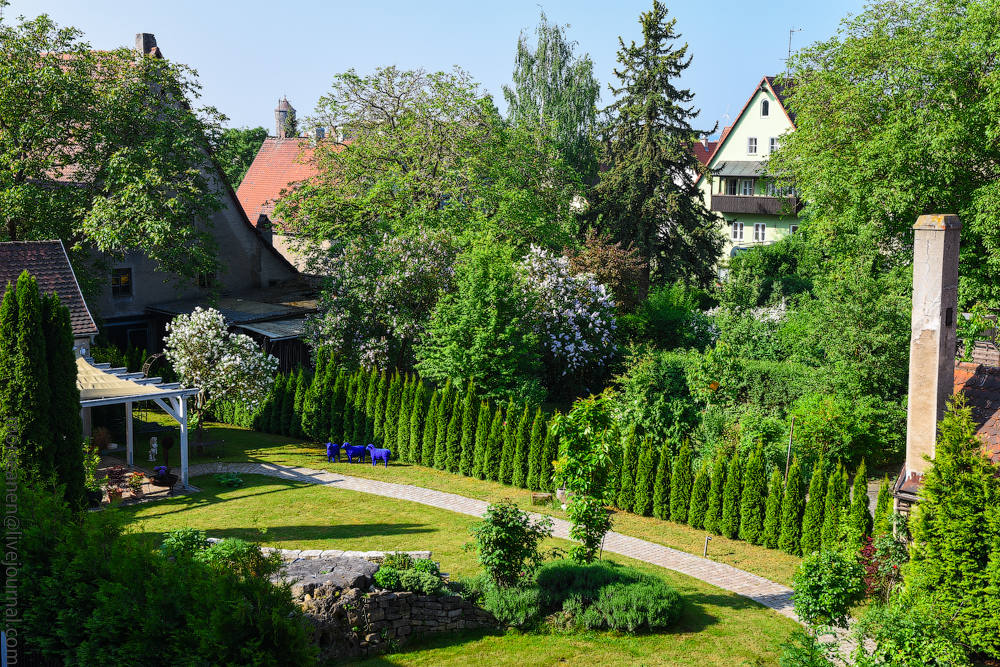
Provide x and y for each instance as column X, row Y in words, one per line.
column 932, row 334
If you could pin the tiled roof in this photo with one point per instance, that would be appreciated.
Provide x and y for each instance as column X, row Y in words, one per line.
column 279, row 163
column 703, row 152
column 48, row 263
column 981, row 386
column 781, row 92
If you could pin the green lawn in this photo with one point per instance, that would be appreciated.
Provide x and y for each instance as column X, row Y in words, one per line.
column 243, row 445
column 717, row 627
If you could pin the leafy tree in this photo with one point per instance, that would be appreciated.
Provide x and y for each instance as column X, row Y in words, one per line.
column 681, row 484
column 403, row 427
column 483, row 424
column 883, row 509
column 772, row 514
column 629, row 471
column 417, row 419
column 507, row 542
column 859, row 521
column 494, row 450
column 92, row 157
column 833, row 513
column 301, row 385
column 729, row 524
column 753, row 500
column 520, row 459
column 469, row 427
column 792, row 510
column 556, row 92
column 453, row 450
column 614, row 264
column 647, row 195
column 699, row 498
column 430, row 431
column 713, row 515
column 535, row 462
column 827, row 584
column 661, row 489
column 645, row 479
column 235, row 149
column 812, row 520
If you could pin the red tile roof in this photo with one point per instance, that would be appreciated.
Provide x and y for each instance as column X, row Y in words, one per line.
column 279, row 164
column 48, row 263
column 703, row 152
column 981, row 386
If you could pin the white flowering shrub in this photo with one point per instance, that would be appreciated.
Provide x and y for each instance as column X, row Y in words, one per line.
column 223, row 365
column 574, row 314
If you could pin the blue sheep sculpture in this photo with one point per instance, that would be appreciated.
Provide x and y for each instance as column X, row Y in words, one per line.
column 332, row 451
column 379, row 455
column 353, row 451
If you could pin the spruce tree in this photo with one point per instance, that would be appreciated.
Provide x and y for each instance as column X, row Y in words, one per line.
column 441, row 433
column 491, row 462
column 699, row 497
column 753, row 498
column 833, row 516
column 66, row 426
column 418, row 420
column 360, row 417
column 483, row 423
column 467, row 447
column 859, row 518
column 645, row 479
column 278, row 405
column 509, row 443
column 535, row 451
column 429, row 440
column 793, row 507
column 519, row 476
column 403, row 423
column 371, row 406
column 681, row 485
column 454, row 448
column 883, row 509
column 629, row 471
column 301, row 385
column 729, row 524
column 337, row 398
column 550, row 453
column 661, row 492
column 772, row 515
column 392, row 408
column 713, row 515
column 812, row 519
column 381, row 399
column 312, row 404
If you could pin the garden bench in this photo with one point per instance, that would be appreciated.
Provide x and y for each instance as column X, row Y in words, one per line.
column 209, row 446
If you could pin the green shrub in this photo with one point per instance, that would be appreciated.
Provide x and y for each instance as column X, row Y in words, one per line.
column 229, row 479
column 827, row 584
column 507, row 541
column 239, row 557
column 883, row 509
column 183, row 542
column 398, row 560
column 426, row 565
column 420, row 582
column 516, row 606
column 909, row 630
column 388, row 578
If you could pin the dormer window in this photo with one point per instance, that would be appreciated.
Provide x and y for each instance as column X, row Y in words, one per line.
column 765, row 108
column 752, row 146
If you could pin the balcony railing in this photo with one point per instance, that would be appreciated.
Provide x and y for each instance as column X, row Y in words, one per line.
column 756, row 204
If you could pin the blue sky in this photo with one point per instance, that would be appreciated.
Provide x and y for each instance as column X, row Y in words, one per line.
column 250, row 53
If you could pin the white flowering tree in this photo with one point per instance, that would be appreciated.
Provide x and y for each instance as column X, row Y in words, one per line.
column 223, row 365
column 574, row 315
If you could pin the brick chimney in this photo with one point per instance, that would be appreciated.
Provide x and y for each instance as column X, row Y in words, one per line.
column 145, row 42
column 932, row 336
column 280, row 116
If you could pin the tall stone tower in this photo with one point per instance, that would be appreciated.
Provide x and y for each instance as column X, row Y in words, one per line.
column 281, row 117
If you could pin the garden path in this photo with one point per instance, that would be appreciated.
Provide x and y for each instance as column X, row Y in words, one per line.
column 726, row 577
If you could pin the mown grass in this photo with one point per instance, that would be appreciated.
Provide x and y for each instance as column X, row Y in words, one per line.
column 716, row 628
column 243, row 445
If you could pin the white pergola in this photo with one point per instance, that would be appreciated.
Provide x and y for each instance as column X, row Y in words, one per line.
column 99, row 384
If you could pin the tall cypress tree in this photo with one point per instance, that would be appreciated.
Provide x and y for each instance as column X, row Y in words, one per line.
column 753, row 499
column 661, row 491
column 429, row 438
column 66, row 426
column 491, row 461
column 812, row 519
column 793, row 506
column 371, row 406
column 301, row 386
column 699, row 497
column 418, row 421
column 681, row 485
column 360, row 417
column 337, row 398
column 381, row 400
column 859, row 522
column 262, row 418
column 550, row 452
column 312, row 404
column 483, row 423
column 277, row 405
column 713, row 515
column 328, row 420
column 628, row 471
column 441, row 436
column 535, row 450
column 772, row 515
column 645, row 479
column 288, row 405
column 467, row 448
column 403, row 423
column 883, row 509
column 392, row 407
column 352, row 389
column 453, row 451
column 730, row 522
column 833, row 516
column 519, row 465
column 509, row 444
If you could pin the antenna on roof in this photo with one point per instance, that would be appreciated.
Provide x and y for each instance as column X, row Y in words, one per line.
column 790, row 32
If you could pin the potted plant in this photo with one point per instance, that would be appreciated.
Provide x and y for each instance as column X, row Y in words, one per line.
column 116, row 481
column 135, row 482
column 91, row 459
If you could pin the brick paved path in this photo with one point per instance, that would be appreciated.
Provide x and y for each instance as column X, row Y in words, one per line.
column 759, row 589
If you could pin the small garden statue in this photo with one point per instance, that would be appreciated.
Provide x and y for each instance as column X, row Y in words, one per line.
column 332, row 451
column 153, row 445
column 379, row 455
column 354, row 451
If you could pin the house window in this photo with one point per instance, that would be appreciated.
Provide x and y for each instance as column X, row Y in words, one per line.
column 759, row 232
column 206, row 280
column 737, row 231
column 121, row 282
column 765, row 108
column 772, row 189
column 772, row 144
column 746, row 186
column 752, row 146
column 793, row 228
column 731, row 186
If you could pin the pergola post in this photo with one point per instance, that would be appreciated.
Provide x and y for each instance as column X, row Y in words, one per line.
column 182, row 411
column 129, row 446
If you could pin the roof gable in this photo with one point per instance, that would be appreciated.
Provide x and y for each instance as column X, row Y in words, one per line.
column 279, row 163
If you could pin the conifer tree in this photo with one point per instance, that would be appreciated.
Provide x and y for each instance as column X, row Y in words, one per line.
column 753, row 499
column 509, row 443
column 262, row 419
column 551, row 453
column 859, row 518
column 833, row 515
column 312, row 404
column 277, row 405
column 453, row 451
column 441, row 434
column 494, row 450
column 467, row 447
column 381, row 398
column 681, row 485
column 483, row 423
column 699, row 497
column 713, row 515
column 772, row 515
column 645, row 479
column 392, row 409
column 661, row 491
column 336, row 396
column 793, row 506
column 629, row 471
column 535, row 451
column 883, row 509
column 360, row 417
column 351, row 382
column 403, row 423
column 418, row 420
column 429, row 440
column 288, row 405
column 371, row 405
column 328, row 419
column 730, row 522
column 812, row 520
column 301, row 385
column 519, row 465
